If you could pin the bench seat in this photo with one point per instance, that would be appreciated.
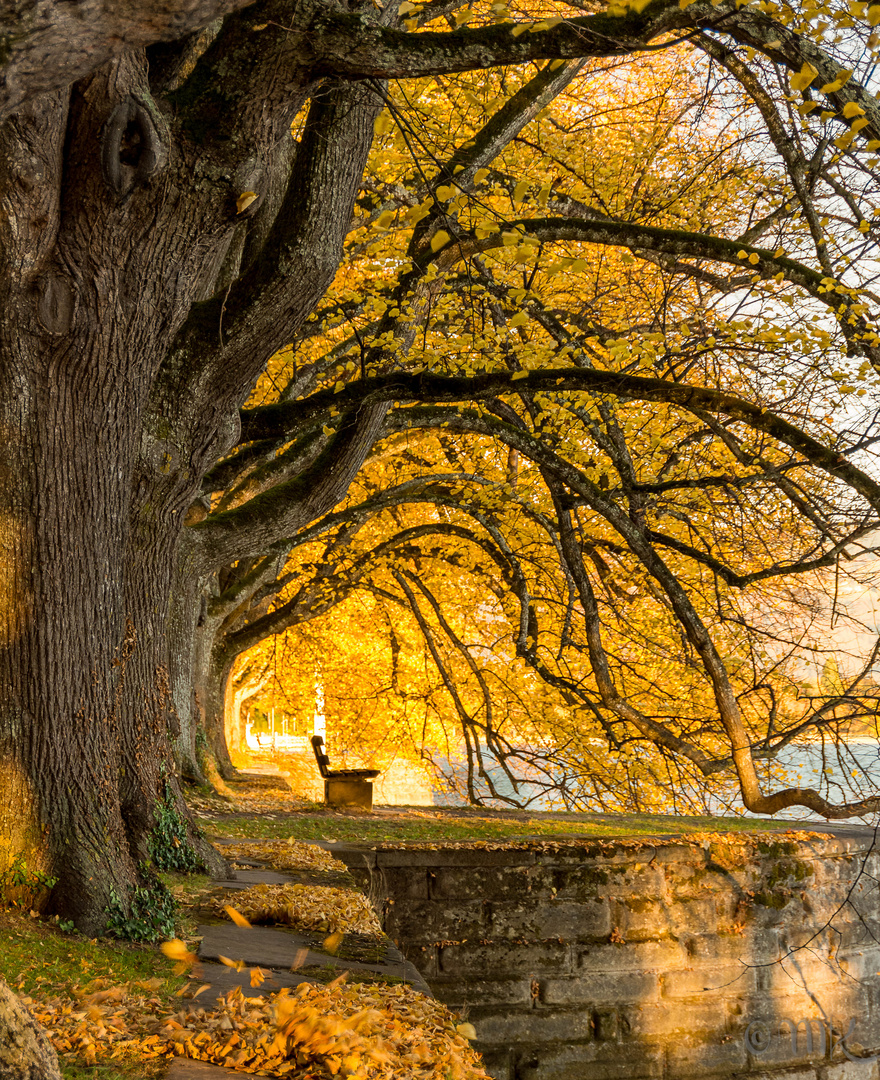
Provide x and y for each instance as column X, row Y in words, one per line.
column 344, row 787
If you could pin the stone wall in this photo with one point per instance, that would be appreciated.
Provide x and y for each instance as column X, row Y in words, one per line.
column 647, row 958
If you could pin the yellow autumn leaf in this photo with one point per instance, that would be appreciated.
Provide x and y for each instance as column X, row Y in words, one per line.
column 832, row 87
column 238, row 965
column 177, row 950
column 332, row 943
column 244, row 201
column 383, row 124
column 439, row 239
column 803, row 78
column 468, row 1030
column 416, row 213
column 236, row 916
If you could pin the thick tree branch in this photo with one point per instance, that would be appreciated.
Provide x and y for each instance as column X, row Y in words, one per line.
column 277, row 420
column 47, row 45
column 279, row 513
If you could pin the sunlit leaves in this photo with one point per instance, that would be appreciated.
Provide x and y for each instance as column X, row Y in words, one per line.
column 309, row 907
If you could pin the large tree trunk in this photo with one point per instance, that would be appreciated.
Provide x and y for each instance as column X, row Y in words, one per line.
column 239, row 690
column 85, row 322
column 215, row 686
column 122, row 369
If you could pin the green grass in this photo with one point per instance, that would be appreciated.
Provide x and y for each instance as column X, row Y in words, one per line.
column 36, row 954
column 39, row 960
column 434, row 827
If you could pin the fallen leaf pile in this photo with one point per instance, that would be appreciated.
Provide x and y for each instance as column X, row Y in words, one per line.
column 308, row 907
column 249, row 799
column 283, row 854
column 273, row 801
column 372, row 1032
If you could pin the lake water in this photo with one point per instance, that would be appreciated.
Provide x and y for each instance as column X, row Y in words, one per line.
column 829, row 770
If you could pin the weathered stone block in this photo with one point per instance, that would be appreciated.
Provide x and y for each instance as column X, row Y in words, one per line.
column 601, row 988
column 478, row 857
column 773, row 1044
column 357, row 793
column 802, row 970
column 596, row 1061
column 702, row 882
column 466, row 882
column 851, row 1070
column 461, row 993
column 644, row 882
column 645, row 920
column 526, row 959
column 633, row 956
column 425, row 922
column 425, row 957
column 679, row 855
column 862, row 934
column 498, row 1063
column 552, row 919
column 694, row 1059
column 711, row 981
column 400, row 883
column 753, row 946
column 513, row 1027
column 653, row 1021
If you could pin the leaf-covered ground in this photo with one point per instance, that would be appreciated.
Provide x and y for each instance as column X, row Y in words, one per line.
column 40, row 961
column 116, row 1011
column 307, row 907
column 364, row 1032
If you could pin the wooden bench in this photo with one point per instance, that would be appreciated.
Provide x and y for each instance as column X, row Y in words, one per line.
column 344, row 787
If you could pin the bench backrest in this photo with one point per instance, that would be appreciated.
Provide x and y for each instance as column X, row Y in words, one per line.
column 321, row 758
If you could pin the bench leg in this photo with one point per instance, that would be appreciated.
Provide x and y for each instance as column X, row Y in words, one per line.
column 357, row 793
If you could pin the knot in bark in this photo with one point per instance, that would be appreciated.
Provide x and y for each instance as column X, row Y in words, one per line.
column 132, row 147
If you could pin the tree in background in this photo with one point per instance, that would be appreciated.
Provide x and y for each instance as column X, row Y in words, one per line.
column 679, row 540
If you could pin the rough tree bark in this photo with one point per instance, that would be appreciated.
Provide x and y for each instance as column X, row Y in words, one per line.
column 117, row 394
column 25, row 1052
